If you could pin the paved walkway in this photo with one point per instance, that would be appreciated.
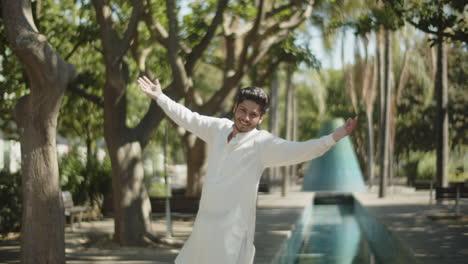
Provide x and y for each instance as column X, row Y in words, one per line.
column 405, row 213
column 408, row 215
column 91, row 243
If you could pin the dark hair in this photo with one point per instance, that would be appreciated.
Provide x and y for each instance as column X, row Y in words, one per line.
column 255, row 94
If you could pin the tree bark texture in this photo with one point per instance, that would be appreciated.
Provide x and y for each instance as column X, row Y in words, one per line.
column 196, row 166
column 273, row 125
column 381, row 88
column 385, row 151
column 43, row 220
column 442, row 128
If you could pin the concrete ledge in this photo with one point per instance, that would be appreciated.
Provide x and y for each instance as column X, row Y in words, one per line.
column 387, row 247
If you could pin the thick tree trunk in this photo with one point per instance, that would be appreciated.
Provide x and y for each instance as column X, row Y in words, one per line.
column 43, row 222
column 42, row 227
column 386, row 117
column 196, row 166
column 441, row 87
column 132, row 208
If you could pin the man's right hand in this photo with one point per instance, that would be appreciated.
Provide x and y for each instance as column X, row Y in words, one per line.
column 153, row 90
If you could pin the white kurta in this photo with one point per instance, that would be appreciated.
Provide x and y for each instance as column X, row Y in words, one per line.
column 224, row 227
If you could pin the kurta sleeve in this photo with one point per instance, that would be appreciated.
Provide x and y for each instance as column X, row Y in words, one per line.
column 276, row 151
column 202, row 126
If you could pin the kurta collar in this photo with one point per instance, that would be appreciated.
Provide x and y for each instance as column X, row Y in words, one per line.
column 240, row 137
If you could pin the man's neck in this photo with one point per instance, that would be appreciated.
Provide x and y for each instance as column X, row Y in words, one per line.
column 233, row 134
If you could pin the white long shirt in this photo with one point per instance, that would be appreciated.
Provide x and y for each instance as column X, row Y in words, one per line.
column 223, row 231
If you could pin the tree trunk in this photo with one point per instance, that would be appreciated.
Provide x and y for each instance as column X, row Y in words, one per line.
column 370, row 148
column 381, row 85
column 42, row 226
column 289, row 122
column 369, row 90
column 386, row 127
column 196, row 166
column 294, row 131
column 273, row 124
column 132, row 207
column 441, row 87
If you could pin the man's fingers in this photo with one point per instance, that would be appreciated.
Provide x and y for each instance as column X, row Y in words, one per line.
column 143, row 85
column 148, row 81
column 142, row 82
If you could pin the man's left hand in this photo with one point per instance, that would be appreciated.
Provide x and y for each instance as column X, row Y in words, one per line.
column 345, row 129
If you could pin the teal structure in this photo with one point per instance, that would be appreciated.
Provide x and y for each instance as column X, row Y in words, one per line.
column 338, row 169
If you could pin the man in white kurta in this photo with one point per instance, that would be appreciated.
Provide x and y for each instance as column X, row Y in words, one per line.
column 223, row 231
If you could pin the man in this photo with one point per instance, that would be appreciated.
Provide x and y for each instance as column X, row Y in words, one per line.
column 223, row 231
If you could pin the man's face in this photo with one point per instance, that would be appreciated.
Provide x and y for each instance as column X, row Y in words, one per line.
column 247, row 115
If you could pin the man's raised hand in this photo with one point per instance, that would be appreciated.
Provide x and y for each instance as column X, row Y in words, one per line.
column 345, row 129
column 153, row 90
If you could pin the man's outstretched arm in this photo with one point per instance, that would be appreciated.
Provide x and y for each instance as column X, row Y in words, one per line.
column 202, row 126
column 276, row 151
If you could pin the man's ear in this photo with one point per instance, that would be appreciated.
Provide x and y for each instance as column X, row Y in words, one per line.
column 261, row 119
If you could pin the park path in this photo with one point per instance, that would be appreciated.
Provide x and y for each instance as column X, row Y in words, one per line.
column 404, row 213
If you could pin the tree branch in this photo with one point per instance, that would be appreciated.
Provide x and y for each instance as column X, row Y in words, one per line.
column 294, row 20
column 33, row 49
column 103, row 15
column 279, row 9
column 131, row 29
column 83, row 94
column 198, row 50
column 181, row 80
column 457, row 36
column 265, row 46
column 249, row 39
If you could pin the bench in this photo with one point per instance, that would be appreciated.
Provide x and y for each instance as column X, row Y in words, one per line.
column 71, row 210
column 457, row 193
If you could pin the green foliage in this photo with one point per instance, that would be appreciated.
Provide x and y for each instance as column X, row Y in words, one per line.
column 417, row 107
column 157, row 189
column 10, row 202
column 294, row 53
column 423, row 165
column 87, row 179
column 195, row 24
column 458, row 95
column 446, row 17
column 12, row 86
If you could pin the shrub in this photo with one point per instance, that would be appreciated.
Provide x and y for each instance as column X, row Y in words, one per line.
column 87, row 180
column 10, row 202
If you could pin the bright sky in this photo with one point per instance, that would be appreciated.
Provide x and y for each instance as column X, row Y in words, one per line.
column 333, row 59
